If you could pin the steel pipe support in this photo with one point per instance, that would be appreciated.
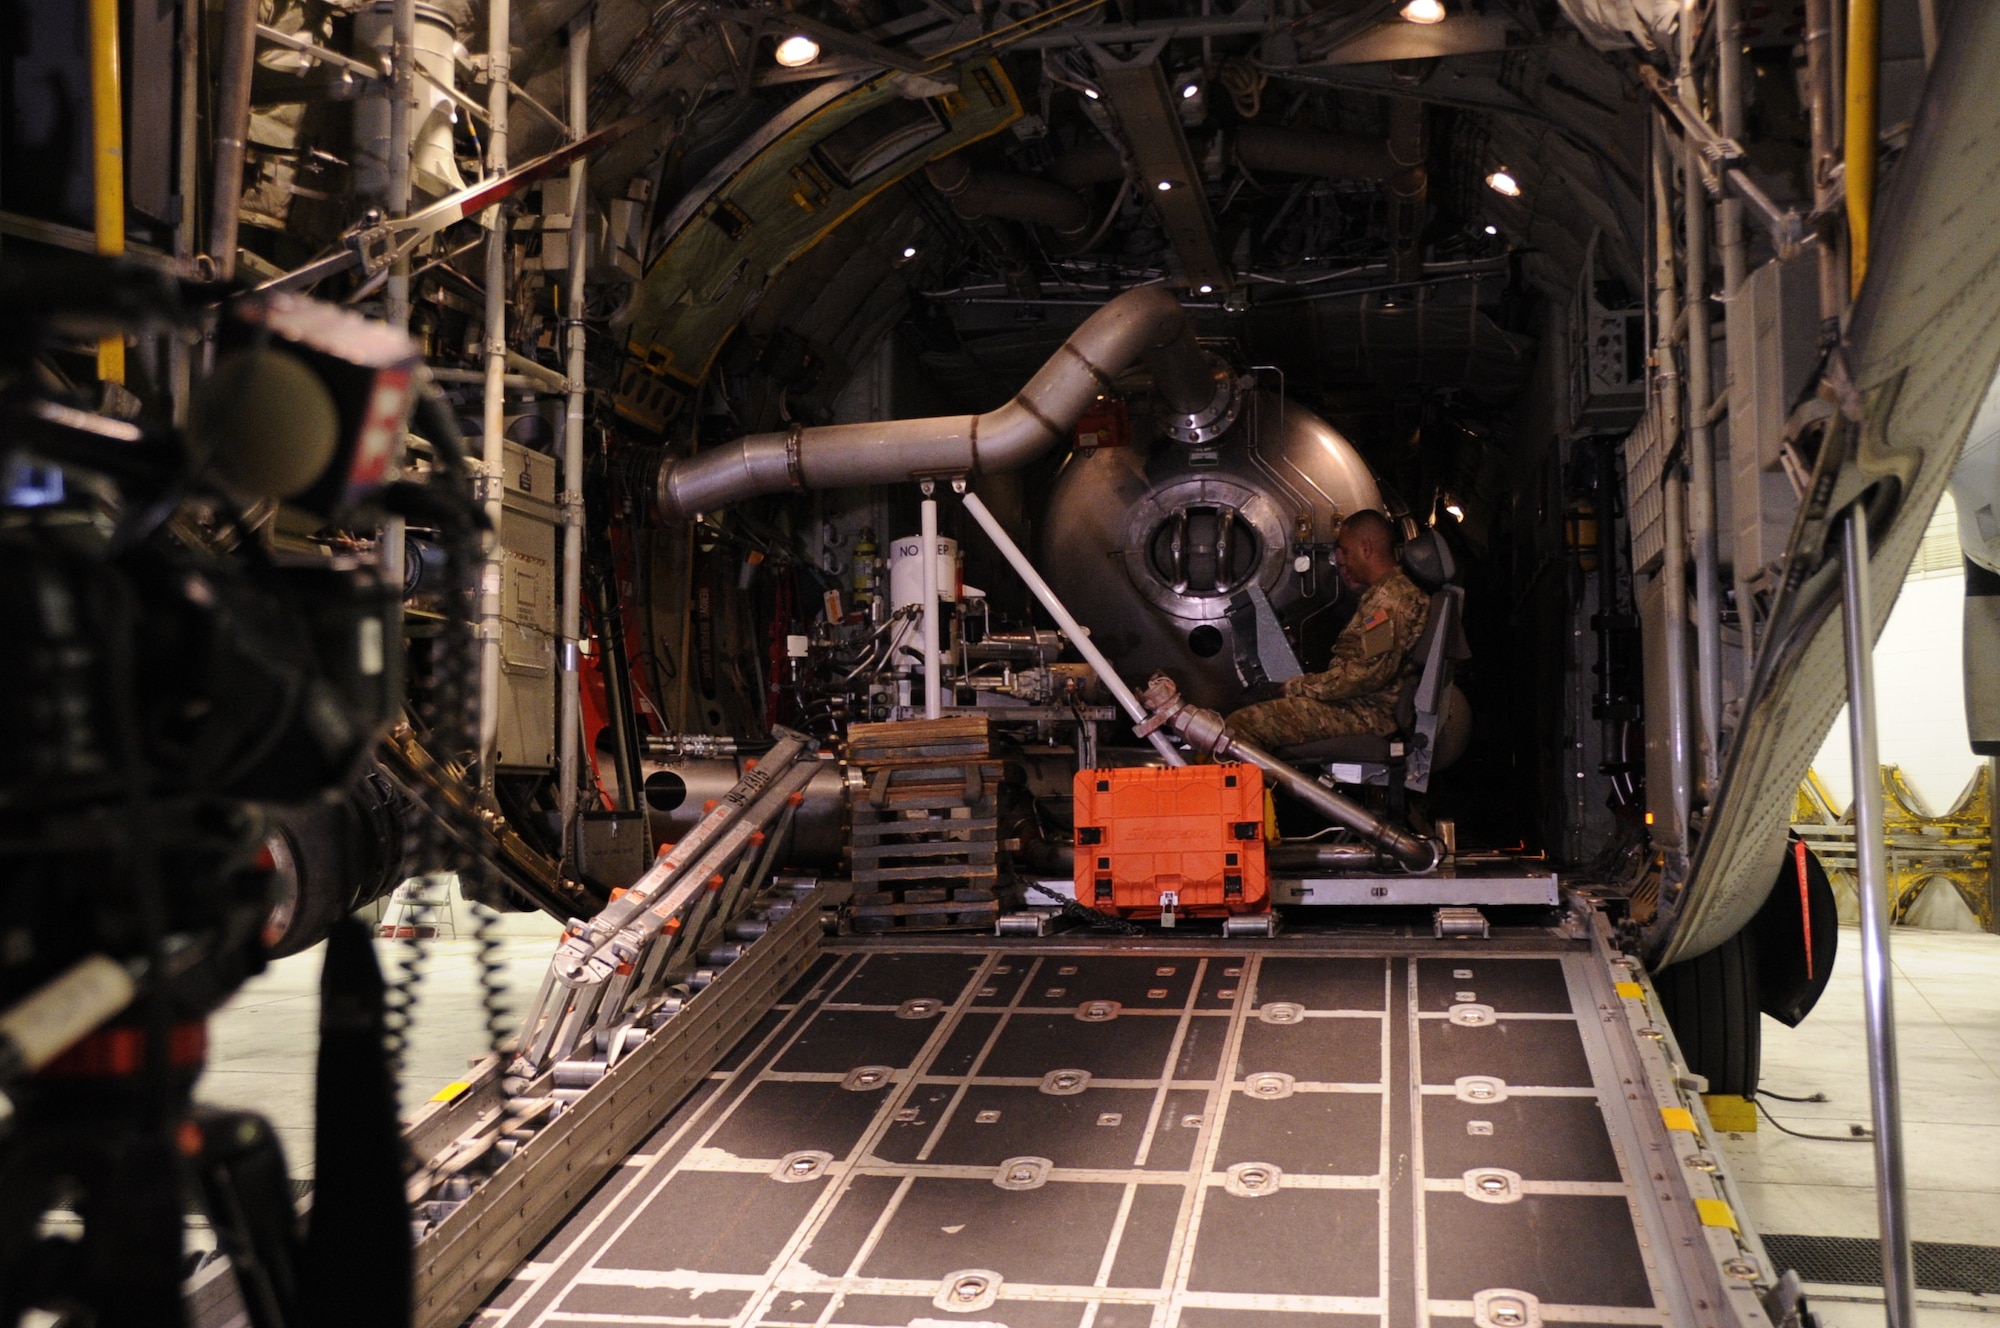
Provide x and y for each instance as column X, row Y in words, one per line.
column 1206, row 731
column 1079, row 636
column 238, row 40
column 1871, row 882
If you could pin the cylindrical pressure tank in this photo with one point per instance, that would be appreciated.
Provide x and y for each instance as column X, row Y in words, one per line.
column 677, row 794
column 1160, row 549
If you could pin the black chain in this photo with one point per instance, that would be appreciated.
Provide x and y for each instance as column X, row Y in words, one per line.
column 1082, row 912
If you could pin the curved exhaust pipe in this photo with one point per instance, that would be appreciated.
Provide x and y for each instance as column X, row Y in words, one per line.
column 1146, row 324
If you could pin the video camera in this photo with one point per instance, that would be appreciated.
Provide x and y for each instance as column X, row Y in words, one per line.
column 164, row 669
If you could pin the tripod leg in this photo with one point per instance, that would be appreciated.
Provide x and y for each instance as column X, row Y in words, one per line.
column 249, row 1199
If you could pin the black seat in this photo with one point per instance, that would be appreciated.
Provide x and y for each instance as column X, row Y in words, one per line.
column 1433, row 717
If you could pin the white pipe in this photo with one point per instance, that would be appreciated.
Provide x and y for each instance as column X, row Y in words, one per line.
column 402, row 99
column 493, row 412
column 1073, row 629
column 1871, row 880
column 569, row 727
column 933, row 679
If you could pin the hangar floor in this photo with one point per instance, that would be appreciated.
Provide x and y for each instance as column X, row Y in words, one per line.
column 1166, row 1155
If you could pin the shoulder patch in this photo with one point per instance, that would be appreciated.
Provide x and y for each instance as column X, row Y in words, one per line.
column 1374, row 620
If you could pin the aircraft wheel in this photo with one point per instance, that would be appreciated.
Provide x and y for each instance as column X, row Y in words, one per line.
column 1712, row 1003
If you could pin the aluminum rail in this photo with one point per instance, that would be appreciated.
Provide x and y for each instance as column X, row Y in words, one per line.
column 1206, row 731
column 1078, row 634
column 1146, row 324
column 1871, row 880
column 590, row 937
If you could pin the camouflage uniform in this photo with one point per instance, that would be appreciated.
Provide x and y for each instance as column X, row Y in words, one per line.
column 1357, row 692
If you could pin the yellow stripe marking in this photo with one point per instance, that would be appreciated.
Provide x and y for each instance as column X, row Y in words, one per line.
column 1678, row 1118
column 1631, row 991
column 1716, row 1213
column 450, row 1091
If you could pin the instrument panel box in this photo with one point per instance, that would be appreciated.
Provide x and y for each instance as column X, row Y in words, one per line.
column 1186, row 841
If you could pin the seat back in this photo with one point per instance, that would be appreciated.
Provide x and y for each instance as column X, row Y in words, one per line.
column 1430, row 710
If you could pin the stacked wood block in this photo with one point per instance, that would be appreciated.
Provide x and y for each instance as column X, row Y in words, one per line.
column 925, row 825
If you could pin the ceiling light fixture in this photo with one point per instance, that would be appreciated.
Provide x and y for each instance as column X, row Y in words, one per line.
column 797, row 50
column 1492, row 230
column 1207, row 290
column 1457, row 512
column 1190, row 92
column 1502, row 182
column 1166, row 185
column 910, row 251
column 1424, row 11
column 1090, row 93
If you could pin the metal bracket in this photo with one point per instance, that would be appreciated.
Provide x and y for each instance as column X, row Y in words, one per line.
column 1722, row 161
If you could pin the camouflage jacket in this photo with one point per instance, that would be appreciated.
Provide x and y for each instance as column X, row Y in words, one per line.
column 1372, row 655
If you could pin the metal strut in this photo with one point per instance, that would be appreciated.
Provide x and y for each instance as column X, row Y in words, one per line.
column 606, row 963
column 1207, row 731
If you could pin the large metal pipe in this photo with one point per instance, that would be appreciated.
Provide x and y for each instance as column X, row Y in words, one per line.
column 1409, row 188
column 933, row 663
column 569, row 724
column 1729, row 111
column 1272, row 148
column 1871, row 882
column 1864, row 69
column 494, row 401
column 1701, row 433
column 402, row 108
column 1143, row 324
column 107, row 160
column 1819, row 107
column 1206, row 731
column 982, row 195
column 1302, row 152
column 232, row 127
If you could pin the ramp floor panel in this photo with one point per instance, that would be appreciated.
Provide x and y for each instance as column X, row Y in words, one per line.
column 1094, row 1137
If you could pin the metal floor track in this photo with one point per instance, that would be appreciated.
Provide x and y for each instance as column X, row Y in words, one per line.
column 1045, row 1135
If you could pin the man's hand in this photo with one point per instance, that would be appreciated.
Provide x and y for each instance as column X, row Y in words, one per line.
column 1266, row 691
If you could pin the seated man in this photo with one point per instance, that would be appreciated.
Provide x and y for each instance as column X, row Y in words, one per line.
column 1357, row 691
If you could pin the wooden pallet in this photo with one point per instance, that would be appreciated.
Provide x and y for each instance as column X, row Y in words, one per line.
column 924, row 843
column 918, row 742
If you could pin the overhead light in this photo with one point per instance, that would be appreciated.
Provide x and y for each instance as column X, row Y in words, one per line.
column 910, row 251
column 797, row 50
column 1207, row 289
column 1457, row 512
column 1166, row 185
column 1502, row 182
column 1090, row 93
column 1492, row 229
column 1424, row 11
column 1190, row 92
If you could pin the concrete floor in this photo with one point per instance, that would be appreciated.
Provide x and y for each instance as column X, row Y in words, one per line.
column 1947, row 1015
column 1947, row 1002
column 262, row 1044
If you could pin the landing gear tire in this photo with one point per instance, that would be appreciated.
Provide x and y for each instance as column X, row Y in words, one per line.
column 1713, row 1005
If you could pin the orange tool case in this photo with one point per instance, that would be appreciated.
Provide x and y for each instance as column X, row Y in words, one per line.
column 1193, row 832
